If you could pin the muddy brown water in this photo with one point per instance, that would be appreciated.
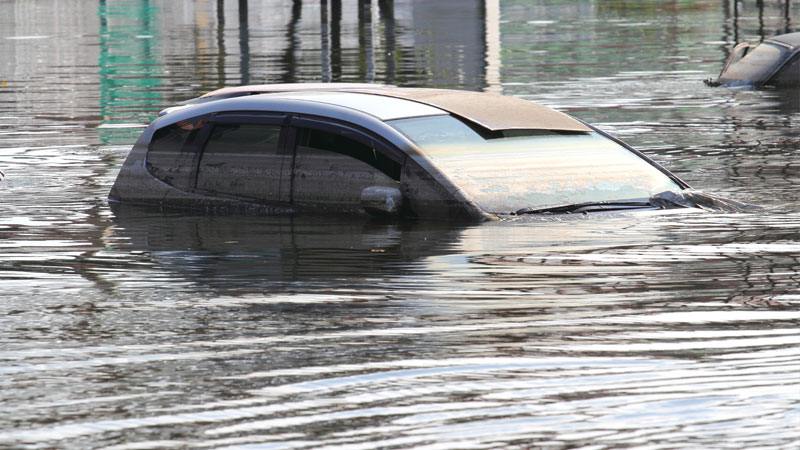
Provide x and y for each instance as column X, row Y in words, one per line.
column 127, row 328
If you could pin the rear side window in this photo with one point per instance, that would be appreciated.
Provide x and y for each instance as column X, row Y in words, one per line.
column 243, row 139
column 170, row 155
column 244, row 160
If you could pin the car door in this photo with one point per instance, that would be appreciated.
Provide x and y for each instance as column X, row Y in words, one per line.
column 245, row 156
column 334, row 163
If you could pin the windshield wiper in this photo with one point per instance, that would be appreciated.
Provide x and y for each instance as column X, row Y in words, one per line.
column 662, row 200
column 586, row 207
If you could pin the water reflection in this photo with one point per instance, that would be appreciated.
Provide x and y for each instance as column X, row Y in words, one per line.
column 735, row 10
column 244, row 42
column 290, row 330
column 129, row 68
column 223, row 251
column 220, row 41
column 387, row 22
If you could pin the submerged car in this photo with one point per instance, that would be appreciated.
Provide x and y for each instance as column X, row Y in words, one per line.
column 775, row 62
column 386, row 151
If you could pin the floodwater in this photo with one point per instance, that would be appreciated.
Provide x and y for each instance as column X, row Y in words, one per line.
column 139, row 329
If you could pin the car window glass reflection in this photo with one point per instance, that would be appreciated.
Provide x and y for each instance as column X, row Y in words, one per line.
column 426, row 131
column 534, row 168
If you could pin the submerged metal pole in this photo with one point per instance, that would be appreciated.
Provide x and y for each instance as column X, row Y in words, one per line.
column 325, row 44
column 386, row 11
column 244, row 42
column 293, row 38
column 365, row 41
column 492, row 47
column 336, row 40
column 726, row 31
column 787, row 17
column 220, row 43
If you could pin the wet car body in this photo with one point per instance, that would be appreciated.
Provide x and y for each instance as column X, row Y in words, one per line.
column 385, row 151
column 775, row 62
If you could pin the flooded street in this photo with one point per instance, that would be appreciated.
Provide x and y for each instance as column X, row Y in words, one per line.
column 125, row 328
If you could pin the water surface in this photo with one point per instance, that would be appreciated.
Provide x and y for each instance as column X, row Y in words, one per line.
column 131, row 328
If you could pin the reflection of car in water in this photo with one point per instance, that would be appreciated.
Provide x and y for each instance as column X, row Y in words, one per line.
column 233, row 253
column 774, row 62
column 425, row 153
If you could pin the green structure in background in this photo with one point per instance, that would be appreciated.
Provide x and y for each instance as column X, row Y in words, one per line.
column 128, row 67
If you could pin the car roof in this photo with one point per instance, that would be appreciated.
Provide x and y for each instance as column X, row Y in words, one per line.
column 288, row 87
column 791, row 39
column 381, row 107
column 490, row 111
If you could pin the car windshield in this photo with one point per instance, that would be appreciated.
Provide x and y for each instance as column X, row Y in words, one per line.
column 533, row 169
column 757, row 65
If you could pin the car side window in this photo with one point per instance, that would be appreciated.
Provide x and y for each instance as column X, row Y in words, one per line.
column 789, row 75
column 332, row 170
column 170, row 155
column 316, row 140
column 243, row 160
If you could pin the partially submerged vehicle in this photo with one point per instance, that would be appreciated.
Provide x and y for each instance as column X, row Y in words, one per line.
column 775, row 62
column 386, row 151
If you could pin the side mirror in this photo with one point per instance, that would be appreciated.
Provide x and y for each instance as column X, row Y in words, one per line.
column 381, row 200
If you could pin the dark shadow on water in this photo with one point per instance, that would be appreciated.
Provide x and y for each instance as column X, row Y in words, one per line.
column 785, row 101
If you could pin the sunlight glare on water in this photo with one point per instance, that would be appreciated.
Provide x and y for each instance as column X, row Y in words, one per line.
column 130, row 328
